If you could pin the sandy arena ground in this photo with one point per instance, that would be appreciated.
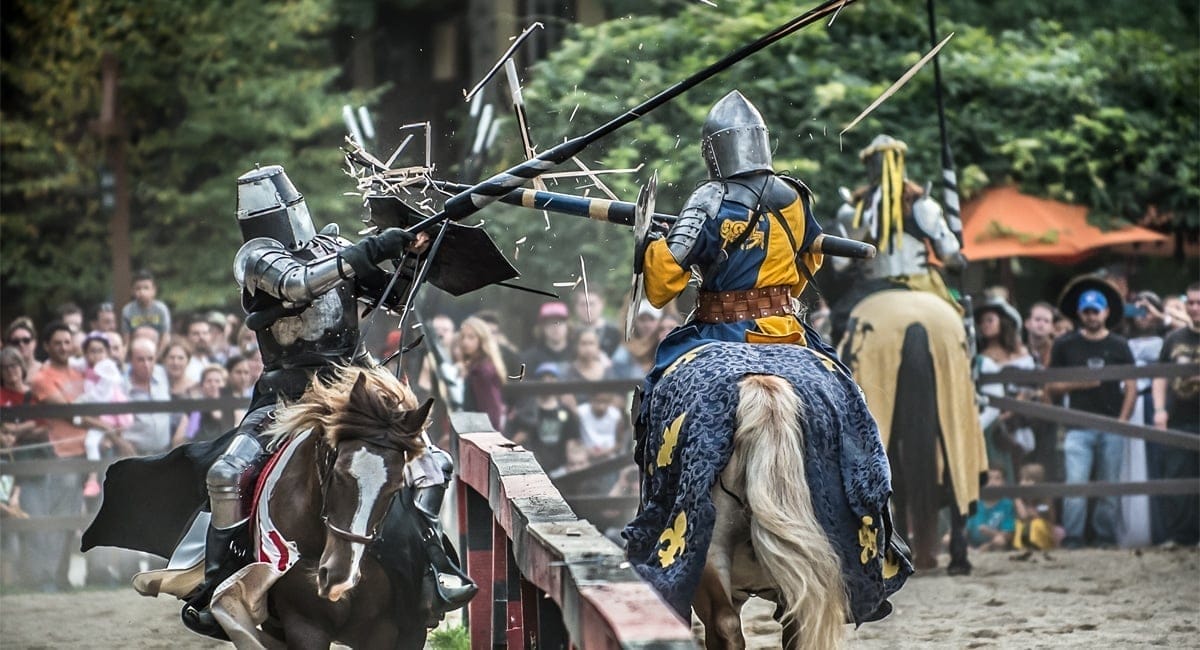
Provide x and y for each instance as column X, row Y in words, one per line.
column 1080, row 599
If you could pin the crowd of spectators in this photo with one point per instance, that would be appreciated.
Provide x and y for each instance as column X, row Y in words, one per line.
column 1103, row 323
column 137, row 357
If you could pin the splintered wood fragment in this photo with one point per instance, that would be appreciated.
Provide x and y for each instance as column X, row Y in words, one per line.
column 468, row 96
column 899, row 83
column 595, row 179
column 593, row 172
column 587, row 298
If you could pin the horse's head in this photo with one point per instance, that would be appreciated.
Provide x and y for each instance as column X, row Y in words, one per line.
column 369, row 427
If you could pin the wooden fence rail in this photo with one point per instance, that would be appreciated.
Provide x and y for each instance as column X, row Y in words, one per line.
column 547, row 579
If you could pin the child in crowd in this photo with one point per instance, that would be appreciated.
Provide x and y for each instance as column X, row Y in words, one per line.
column 991, row 527
column 206, row 425
column 602, row 424
column 1035, row 527
column 102, row 383
column 145, row 309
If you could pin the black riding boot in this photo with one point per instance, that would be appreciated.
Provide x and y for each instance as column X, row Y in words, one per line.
column 225, row 551
column 428, row 502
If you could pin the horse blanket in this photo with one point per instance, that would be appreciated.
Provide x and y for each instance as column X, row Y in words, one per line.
column 873, row 349
column 687, row 439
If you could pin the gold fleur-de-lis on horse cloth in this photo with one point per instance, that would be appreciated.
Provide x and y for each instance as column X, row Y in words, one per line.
column 669, row 441
column 673, row 537
column 867, row 540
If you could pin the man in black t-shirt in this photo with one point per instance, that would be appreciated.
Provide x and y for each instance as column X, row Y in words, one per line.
column 1176, row 518
column 1093, row 303
column 544, row 424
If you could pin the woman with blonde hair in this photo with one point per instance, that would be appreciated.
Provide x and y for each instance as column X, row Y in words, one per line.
column 483, row 368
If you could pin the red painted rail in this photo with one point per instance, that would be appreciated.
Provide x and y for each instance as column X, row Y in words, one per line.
column 547, row 578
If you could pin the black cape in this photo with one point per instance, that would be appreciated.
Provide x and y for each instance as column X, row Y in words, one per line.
column 150, row 502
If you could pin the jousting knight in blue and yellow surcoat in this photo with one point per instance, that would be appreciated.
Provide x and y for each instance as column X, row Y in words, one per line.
column 748, row 231
column 751, row 235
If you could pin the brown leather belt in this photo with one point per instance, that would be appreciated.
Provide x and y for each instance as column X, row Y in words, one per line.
column 734, row 306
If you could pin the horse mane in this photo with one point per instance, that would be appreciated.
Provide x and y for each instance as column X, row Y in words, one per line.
column 351, row 403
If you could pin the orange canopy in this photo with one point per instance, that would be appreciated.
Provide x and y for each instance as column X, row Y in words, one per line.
column 1002, row 222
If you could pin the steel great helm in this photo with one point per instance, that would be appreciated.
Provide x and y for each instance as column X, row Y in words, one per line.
column 268, row 205
column 734, row 139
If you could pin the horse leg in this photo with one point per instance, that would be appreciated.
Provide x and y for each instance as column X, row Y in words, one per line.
column 915, row 432
column 305, row 619
column 714, row 607
column 901, row 513
column 715, row 601
column 302, row 632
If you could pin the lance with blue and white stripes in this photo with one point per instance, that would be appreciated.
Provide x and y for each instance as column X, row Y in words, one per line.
column 606, row 210
column 622, row 213
column 480, row 195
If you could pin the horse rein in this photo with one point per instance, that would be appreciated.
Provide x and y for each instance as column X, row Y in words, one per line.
column 326, row 457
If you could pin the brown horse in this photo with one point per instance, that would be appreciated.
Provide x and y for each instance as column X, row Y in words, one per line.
column 343, row 450
column 908, row 351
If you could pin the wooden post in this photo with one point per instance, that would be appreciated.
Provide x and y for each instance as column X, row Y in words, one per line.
column 112, row 132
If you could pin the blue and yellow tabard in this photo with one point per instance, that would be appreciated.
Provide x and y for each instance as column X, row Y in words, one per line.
column 766, row 258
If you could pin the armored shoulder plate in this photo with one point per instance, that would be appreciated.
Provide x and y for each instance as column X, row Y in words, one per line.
column 248, row 256
column 263, row 264
column 927, row 216
column 797, row 185
column 702, row 205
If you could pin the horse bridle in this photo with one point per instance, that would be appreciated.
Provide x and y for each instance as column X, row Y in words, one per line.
column 326, row 457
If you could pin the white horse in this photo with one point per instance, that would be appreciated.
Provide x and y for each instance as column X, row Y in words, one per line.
column 810, row 535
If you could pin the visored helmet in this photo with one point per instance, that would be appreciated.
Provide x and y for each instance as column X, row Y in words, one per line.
column 268, row 205
column 734, row 139
column 876, row 155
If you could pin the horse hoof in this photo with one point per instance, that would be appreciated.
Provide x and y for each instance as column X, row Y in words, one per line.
column 959, row 569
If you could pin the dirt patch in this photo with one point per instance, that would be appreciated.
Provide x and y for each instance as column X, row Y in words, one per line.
column 1068, row 599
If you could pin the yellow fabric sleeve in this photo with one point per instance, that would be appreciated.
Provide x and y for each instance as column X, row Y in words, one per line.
column 663, row 277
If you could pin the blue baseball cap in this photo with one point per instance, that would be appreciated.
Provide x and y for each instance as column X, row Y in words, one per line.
column 1092, row 299
column 548, row 368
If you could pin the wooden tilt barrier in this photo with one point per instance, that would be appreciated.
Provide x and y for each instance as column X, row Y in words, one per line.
column 547, row 578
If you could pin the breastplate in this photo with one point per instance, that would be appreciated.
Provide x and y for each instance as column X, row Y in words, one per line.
column 909, row 258
column 318, row 334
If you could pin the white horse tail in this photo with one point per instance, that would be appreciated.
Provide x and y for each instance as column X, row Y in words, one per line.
column 789, row 542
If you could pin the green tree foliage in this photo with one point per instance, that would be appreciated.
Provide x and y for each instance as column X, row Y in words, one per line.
column 207, row 90
column 1106, row 118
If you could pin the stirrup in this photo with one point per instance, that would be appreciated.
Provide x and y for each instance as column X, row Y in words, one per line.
column 452, row 598
column 202, row 621
column 441, row 565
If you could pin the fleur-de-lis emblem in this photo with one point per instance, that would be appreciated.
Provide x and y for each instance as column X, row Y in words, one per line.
column 891, row 564
column 867, row 540
column 673, row 538
column 670, row 439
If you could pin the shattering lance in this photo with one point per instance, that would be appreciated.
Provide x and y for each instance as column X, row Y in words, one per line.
column 475, row 198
